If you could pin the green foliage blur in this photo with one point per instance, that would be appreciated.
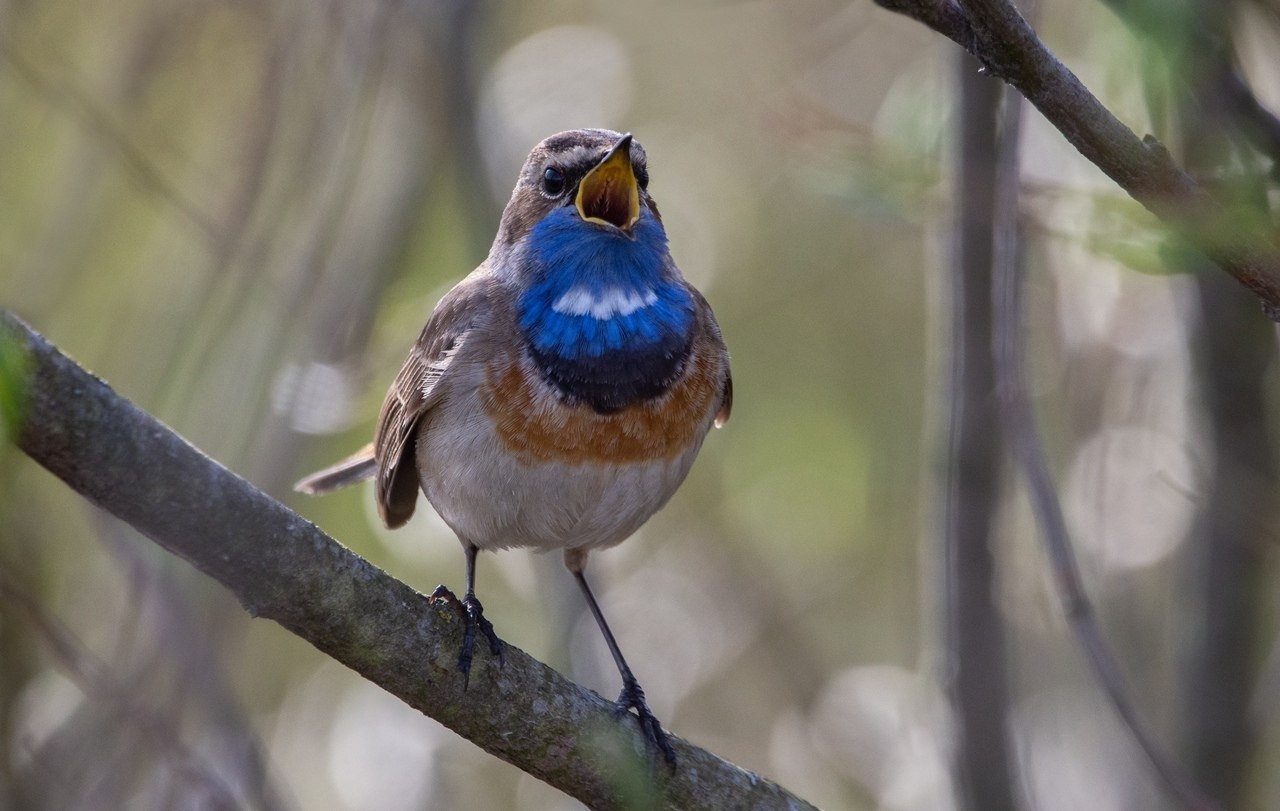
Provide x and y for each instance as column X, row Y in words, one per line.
column 241, row 214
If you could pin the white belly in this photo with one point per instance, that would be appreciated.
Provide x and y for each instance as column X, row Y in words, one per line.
column 492, row 500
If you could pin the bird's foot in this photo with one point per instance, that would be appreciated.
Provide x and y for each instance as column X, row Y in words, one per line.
column 474, row 620
column 632, row 698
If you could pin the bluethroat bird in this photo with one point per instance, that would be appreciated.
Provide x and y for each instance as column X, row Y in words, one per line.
column 558, row 395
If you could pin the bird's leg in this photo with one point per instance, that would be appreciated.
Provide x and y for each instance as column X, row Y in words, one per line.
column 631, row 697
column 474, row 619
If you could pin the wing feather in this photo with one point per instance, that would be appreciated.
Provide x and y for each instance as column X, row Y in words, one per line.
column 710, row 324
column 417, row 388
column 726, row 401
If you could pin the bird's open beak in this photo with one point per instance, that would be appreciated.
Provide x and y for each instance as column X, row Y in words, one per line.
column 609, row 195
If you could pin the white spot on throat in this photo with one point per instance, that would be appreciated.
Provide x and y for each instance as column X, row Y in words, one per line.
column 611, row 301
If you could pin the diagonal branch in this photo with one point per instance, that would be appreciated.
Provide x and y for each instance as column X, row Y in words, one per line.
column 994, row 32
column 282, row 567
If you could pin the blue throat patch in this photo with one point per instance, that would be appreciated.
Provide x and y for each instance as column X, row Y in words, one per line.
column 605, row 320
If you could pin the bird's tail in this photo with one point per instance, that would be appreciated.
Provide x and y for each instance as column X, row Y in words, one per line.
column 355, row 468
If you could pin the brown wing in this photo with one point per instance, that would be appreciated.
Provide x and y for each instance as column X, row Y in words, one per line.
column 417, row 388
column 726, row 401
column 712, row 328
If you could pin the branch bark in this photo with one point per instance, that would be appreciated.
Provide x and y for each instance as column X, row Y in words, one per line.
column 282, row 567
column 995, row 33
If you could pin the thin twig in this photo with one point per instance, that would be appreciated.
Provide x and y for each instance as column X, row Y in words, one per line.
column 86, row 111
column 1228, row 578
column 1259, row 124
column 1029, row 454
column 94, row 678
column 182, row 641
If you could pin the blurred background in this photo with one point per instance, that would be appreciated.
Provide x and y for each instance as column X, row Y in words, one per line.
column 240, row 214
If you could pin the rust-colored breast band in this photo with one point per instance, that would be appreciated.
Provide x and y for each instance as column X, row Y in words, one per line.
column 542, row 428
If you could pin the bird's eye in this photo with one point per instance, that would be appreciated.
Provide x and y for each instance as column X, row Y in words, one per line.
column 553, row 181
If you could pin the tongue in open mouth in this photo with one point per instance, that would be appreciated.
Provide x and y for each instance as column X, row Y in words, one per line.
column 608, row 195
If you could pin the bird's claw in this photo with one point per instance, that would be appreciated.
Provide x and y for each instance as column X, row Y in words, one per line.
column 473, row 620
column 632, row 698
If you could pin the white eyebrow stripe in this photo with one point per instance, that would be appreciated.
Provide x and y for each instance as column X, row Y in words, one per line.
column 611, row 301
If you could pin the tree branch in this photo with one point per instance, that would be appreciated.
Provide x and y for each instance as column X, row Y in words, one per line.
column 994, row 32
column 280, row 566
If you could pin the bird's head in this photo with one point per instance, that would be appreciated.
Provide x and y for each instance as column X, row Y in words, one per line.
column 604, row 310
column 597, row 175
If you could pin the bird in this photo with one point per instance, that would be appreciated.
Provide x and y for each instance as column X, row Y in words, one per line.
column 558, row 394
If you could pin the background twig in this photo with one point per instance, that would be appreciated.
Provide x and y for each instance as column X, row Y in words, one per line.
column 1029, row 455
column 977, row 661
column 1235, row 362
